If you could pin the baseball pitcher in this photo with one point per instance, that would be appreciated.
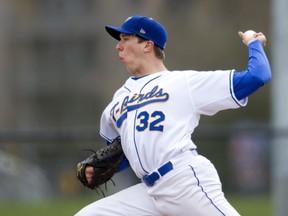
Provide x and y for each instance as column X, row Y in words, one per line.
column 153, row 116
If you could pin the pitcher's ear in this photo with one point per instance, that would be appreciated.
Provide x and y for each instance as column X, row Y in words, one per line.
column 149, row 45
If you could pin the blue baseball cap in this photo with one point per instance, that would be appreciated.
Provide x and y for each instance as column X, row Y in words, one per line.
column 142, row 26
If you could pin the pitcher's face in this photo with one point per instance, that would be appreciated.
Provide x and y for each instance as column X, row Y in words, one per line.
column 130, row 52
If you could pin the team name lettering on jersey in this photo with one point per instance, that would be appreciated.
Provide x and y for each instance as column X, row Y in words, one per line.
column 136, row 101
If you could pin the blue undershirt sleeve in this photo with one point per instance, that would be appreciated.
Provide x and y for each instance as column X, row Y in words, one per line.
column 256, row 74
column 123, row 165
column 124, row 162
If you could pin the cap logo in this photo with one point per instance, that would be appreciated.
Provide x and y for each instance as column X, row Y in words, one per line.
column 142, row 31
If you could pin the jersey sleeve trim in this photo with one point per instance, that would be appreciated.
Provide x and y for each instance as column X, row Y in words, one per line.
column 241, row 103
column 106, row 138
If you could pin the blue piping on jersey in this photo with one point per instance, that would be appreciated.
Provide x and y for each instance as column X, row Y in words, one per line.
column 232, row 89
column 108, row 140
column 134, row 129
column 136, row 78
column 127, row 88
column 202, row 189
column 135, row 145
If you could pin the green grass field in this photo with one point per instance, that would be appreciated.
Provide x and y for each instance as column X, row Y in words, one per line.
column 252, row 205
column 246, row 206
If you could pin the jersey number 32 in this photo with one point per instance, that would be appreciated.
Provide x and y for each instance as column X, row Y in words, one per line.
column 152, row 122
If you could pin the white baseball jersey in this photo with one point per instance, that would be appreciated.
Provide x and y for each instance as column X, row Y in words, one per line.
column 155, row 115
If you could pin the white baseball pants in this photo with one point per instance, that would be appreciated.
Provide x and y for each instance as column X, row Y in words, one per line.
column 192, row 188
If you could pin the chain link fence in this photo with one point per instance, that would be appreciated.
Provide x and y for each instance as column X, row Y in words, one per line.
column 42, row 163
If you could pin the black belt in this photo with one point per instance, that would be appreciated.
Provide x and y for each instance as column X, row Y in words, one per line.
column 150, row 179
